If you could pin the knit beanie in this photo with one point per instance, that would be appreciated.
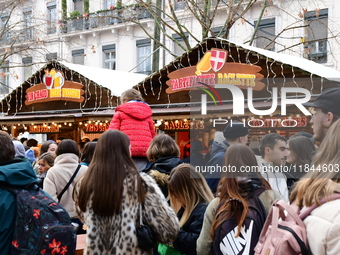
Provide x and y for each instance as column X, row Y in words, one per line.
column 235, row 129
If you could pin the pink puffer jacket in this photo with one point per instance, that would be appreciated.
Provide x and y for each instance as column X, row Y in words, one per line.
column 134, row 119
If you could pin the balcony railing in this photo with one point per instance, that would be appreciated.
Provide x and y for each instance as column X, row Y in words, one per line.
column 104, row 18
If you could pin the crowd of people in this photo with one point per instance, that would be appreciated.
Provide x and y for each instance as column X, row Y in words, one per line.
column 131, row 174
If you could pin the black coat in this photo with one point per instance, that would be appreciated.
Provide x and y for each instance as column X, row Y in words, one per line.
column 160, row 169
column 189, row 233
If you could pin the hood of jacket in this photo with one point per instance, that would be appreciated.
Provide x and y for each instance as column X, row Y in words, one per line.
column 219, row 147
column 135, row 109
column 164, row 164
column 18, row 172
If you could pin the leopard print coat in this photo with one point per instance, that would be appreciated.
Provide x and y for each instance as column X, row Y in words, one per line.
column 117, row 234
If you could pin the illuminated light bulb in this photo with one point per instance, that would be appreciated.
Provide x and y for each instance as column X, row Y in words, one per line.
column 65, row 123
column 166, row 123
column 176, row 121
column 59, row 126
column 85, row 125
column 70, row 124
column 100, row 124
column 25, row 128
column 80, row 123
column 185, row 120
column 298, row 115
column 14, row 127
column 32, row 124
column 35, row 126
column 89, row 122
column 49, row 127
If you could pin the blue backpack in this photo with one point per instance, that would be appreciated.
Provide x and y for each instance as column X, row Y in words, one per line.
column 225, row 241
column 42, row 226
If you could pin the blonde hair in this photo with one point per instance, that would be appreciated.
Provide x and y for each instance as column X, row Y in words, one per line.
column 162, row 146
column 131, row 94
column 189, row 187
column 317, row 184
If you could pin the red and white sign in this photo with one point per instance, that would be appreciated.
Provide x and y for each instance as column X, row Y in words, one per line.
column 217, row 59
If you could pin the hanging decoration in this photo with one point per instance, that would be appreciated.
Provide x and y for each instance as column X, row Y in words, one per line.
column 54, row 88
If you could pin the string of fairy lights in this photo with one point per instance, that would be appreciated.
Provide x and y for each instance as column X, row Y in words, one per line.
column 158, row 123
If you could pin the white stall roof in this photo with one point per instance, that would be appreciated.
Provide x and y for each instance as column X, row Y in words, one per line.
column 302, row 63
column 116, row 81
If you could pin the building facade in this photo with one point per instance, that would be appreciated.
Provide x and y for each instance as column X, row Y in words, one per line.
column 116, row 34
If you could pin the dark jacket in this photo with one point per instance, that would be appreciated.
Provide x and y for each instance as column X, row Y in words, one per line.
column 216, row 159
column 189, row 233
column 18, row 172
column 160, row 170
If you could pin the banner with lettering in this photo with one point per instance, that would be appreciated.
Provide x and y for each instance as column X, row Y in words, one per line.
column 54, row 88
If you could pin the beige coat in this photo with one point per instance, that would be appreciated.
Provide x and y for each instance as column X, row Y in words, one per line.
column 58, row 176
column 323, row 229
column 204, row 242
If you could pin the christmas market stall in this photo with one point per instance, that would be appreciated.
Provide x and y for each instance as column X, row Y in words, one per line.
column 220, row 81
column 65, row 100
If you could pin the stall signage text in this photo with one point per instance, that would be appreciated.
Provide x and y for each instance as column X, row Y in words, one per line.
column 213, row 69
column 54, row 87
column 96, row 128
column 44, row 129
column 183, row 125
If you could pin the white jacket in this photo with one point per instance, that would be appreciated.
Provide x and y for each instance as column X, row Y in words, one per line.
column 58, row 176
column 323, row 229
column 276, row 179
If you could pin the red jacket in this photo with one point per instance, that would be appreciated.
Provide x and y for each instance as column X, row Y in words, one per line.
column 134, row 119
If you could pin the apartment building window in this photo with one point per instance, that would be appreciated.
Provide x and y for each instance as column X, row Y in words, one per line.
column 317, row 34
column 78, row 57
column 79, row 6
column 109, row 3
column 51, row 56
column 144, row 56
column 177, row 49
column 27, row 63
column 4, row 26
column 265, row 34
column 4, row 78
column 52, row 18
column 179, row 4
column 28, row 24
column 109, row 52
column 218, row 31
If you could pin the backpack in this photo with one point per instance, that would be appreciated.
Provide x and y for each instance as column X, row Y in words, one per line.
column 225, row 241
column 42, row 226
column 287, row 235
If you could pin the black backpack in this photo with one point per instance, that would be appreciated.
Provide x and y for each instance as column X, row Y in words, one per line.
column 42, row 226
column 225, row 242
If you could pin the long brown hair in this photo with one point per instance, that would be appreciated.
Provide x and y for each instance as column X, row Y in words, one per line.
column 317, row 184
column 110, row 165
column 187, row 186
column 237, row 155
column 301, row 150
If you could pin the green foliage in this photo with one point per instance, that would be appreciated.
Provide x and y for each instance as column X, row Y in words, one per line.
column 86, row 6
column 64, row 8
column 75, row 14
